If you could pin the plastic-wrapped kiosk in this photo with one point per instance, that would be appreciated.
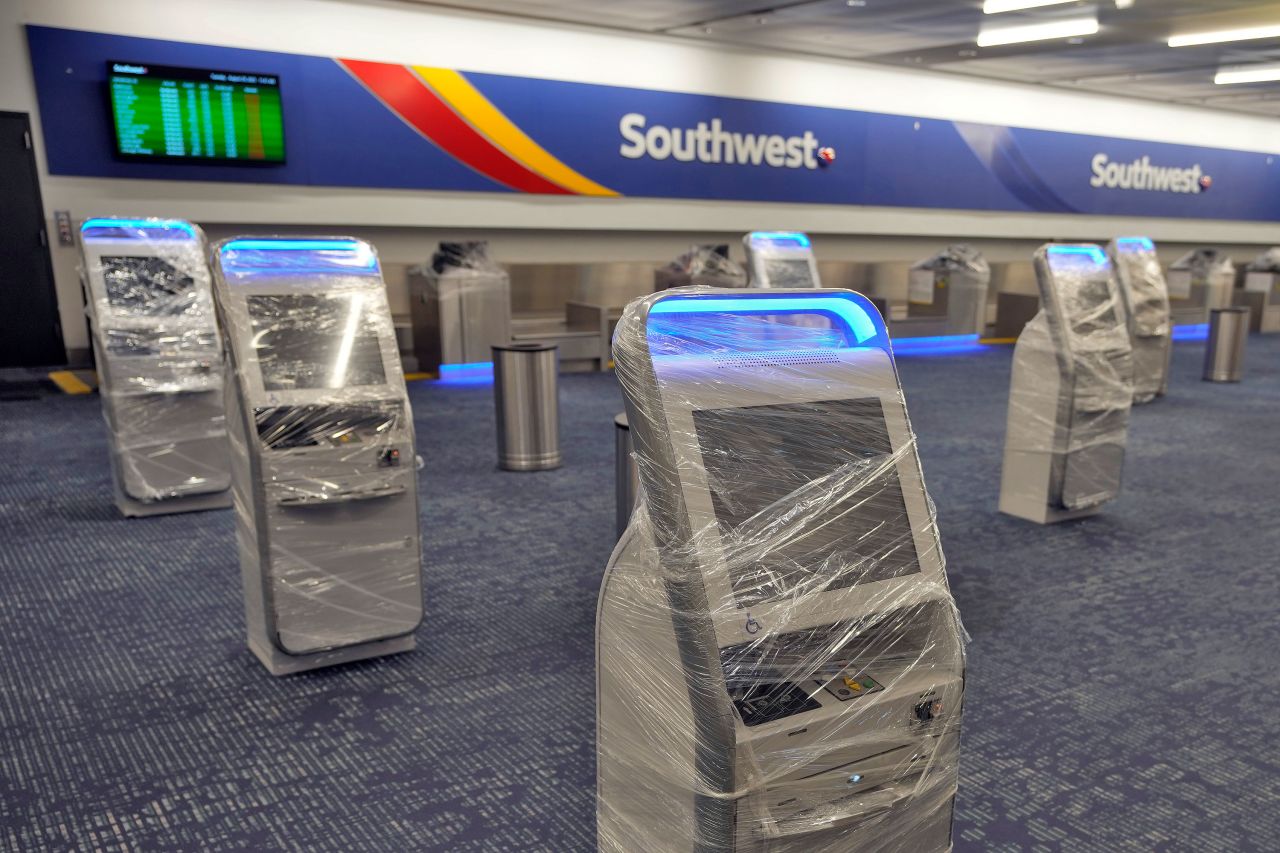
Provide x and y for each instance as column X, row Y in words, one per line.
column 1146, row 300
column 779, row 658
column 155, row 338
column 780, row 259
column 325, row 483
column 1070, row 392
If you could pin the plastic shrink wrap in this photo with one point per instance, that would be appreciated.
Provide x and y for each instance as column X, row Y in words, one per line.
column 780, row 260
column 708, row 266
column 155, row 340
column 1146, row 301
column 1205, row 277
column 958, row 277
column 779, row 659
column 461, row 306
column 1070, row 392
column 326, row 492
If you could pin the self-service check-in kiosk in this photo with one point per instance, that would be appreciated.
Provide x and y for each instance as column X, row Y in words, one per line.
column 947, row 294
column 780, row 259
column 1070, row 393
column 1261, row 292
column 1146, row 302
column 779, row 658
column 155, row 339
column 325, row 484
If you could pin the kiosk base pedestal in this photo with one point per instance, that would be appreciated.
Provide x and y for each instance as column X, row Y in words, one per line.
column 1045, row 514
column 279, row 663
column 130, row 508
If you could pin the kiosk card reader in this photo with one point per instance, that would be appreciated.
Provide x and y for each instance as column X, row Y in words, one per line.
column 155, row 339
column 780, row 259
column 325, row 483
column 947, row 294
column 1146, row 302
column 779, row 658
column 1070, row 392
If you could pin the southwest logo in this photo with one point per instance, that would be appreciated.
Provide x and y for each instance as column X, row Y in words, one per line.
column 1142, row 175
column 709, row 142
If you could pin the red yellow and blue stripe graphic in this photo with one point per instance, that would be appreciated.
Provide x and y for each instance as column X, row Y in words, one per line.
column 445, row 108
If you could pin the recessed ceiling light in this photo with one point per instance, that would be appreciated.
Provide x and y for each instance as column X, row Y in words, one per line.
column 855, row 2
column 995, row 7
column 1217, row 36
column 1037, row 32
column 1255, row 74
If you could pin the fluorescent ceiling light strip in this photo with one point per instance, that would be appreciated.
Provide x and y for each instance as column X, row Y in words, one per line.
column 1257, row 74
column 995, row 7
column 1269, row 31
column 991, row 36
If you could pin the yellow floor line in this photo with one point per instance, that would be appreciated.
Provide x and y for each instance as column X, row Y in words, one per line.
column 414, row 377
column 997, row 340
column 69, row 382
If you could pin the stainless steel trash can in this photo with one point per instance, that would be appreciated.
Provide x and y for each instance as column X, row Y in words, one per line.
column 527, row 404
column 626, row 475
column 1224, row 355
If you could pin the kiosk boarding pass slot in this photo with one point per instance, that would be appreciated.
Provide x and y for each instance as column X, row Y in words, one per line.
column 147, row 291
column 329, row 537
column 779, row 657
column 780, row 259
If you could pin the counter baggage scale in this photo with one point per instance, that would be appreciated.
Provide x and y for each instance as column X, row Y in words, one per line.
column 155, row 340
column 780, row 259
column 325, row 483
column 1261, row 292
column 1146, row 302
column 1070, row 393
column 779, row 659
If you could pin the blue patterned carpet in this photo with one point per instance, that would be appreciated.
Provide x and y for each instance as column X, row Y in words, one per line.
column 1124, row 671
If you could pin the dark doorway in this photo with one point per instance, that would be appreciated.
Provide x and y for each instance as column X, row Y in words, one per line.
column 30, row 333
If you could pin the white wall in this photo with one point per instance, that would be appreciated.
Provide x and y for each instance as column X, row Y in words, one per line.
column 405, row 223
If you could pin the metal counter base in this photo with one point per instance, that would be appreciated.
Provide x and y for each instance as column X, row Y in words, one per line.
column 278, row 663
column 131, row 508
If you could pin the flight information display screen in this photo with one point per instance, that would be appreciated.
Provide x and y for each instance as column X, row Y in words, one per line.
column 816, row 480
column 307, row 341
column 164, row 113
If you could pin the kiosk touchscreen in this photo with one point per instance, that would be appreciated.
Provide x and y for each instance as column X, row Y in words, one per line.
column 780, row 259
column 324, row 479
column 779, row 659
column 155, row 339
column 1146, row 302
column 1070, row 392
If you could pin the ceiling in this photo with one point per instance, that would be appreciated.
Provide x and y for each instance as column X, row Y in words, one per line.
column 1128, row 56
